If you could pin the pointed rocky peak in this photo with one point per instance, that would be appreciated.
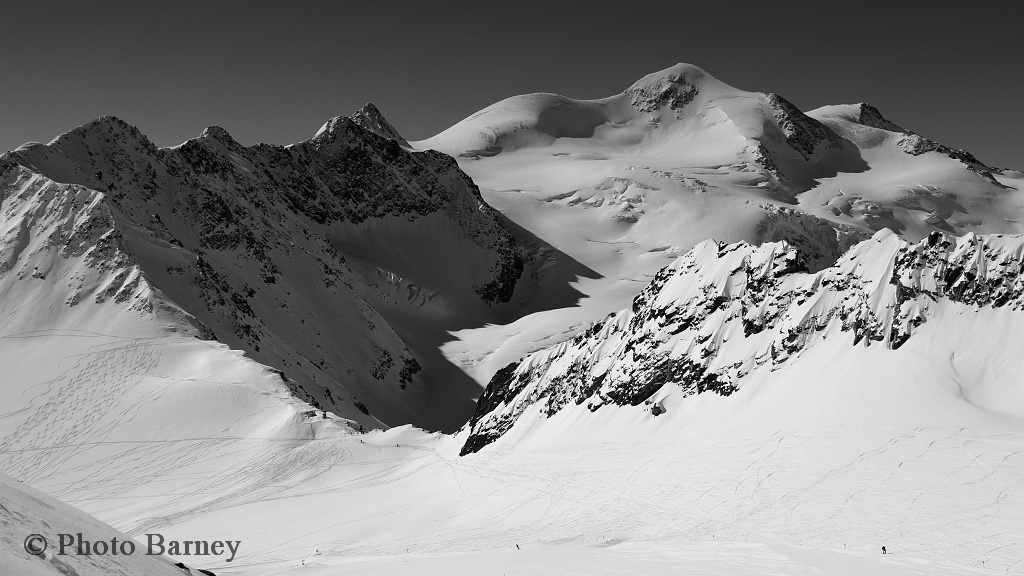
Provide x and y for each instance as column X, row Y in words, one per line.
column 213, row 152
column 105, row 129
column 673, row 87
column 334, row 129
column 217, row 133
column 346, row 131
column 217, row 138
column 870, row 116
column 802, row 132
column 370, row 118
column 907, row 140
column 105, row 124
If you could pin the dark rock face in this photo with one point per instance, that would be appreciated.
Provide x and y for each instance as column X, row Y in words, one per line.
column 673, row 90
column 791, row 141
column 871, row 116
column 247, row 236
column 682, row 329
column 803, row 133
column 915, row 144
column 369, row 118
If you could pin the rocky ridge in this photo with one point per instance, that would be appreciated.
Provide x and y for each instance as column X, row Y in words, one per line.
column 723, row 310
column 914, row 144
column 251, row 243
column 370, row 118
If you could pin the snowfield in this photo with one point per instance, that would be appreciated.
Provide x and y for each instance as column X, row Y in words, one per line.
column 815, row 349
column 619, row 187
column 25, row 512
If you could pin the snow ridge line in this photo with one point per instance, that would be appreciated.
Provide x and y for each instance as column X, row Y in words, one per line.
column 722, row 311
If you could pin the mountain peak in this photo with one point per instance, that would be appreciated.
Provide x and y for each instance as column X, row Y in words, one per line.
column 862, row 113
column 107, row 121
column 217, row 133
column 370, row 118
column 332, row 127
column 675, row 87
column 871, row 116
column 679, row 73
column 105, row 126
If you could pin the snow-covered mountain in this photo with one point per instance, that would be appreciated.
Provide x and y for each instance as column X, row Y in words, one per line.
column 621, row 186
column 816, row 353
column 301, row 256
column 724, row 315
column 24, row 511
column 685, row 117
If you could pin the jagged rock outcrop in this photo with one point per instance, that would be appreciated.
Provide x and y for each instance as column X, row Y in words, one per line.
column 43, row 220
column 721, row 311
column 914, row 144
column 803, row 133
column 252, row 242
column 369, row 118
column 793, row 148
column 868, row 115
column 674, row 90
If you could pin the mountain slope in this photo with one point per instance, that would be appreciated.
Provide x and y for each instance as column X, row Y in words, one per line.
column 685, row 116
column 724, row 315
column 623, row 185
column 284, row 252
column 24, row 511
column 849, row 402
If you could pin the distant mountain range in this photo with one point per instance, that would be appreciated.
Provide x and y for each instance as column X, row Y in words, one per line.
column 197, row 339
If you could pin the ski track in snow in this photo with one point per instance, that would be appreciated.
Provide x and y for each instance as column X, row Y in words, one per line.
column 115, row 428
column 77, row 443
column 951, row 495
column 858, row 488
column 767, row 493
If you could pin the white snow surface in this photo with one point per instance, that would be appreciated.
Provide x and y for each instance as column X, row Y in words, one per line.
column 724, row 315
column 25, row 512
column 811, row 466
column 616, row 188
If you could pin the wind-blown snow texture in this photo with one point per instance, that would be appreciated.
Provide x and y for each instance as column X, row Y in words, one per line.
column 722, row 311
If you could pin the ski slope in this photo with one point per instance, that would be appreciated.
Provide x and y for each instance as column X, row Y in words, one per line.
column 25, row 512
column 943, row 499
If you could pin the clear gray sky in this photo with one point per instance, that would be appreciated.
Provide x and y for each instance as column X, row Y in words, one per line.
column 275, row 71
